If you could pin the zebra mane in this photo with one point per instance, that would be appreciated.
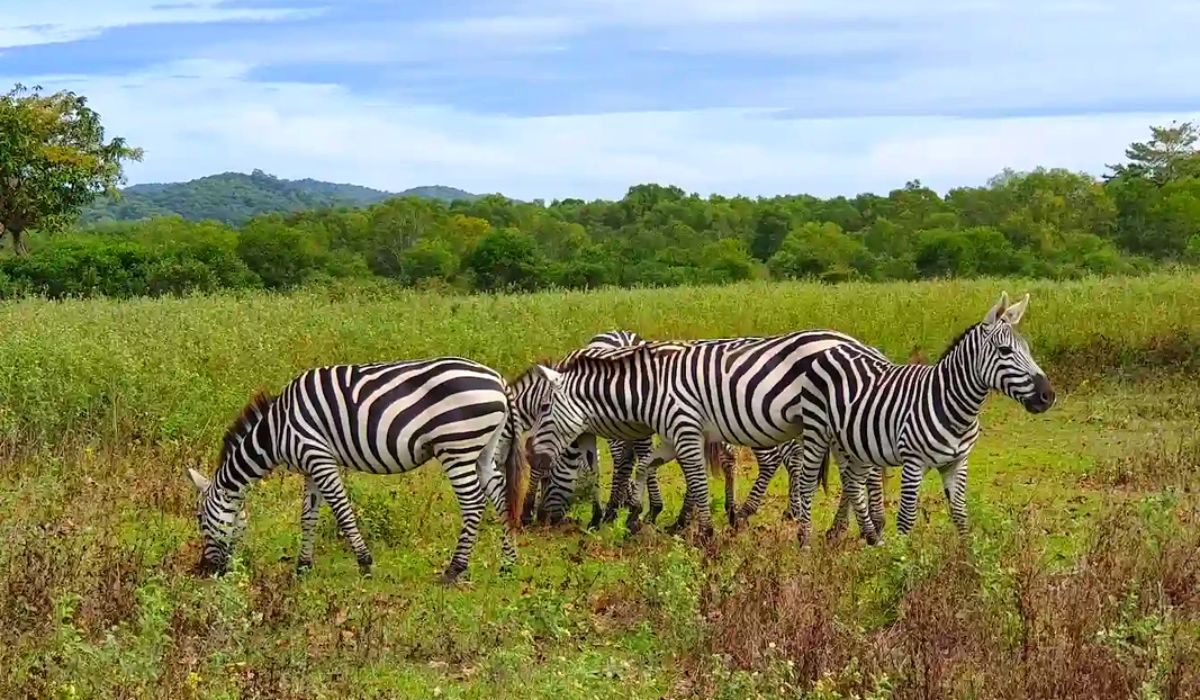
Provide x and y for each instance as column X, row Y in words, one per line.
column 958, row 341
column 615, row 355
column 531, row 371
column 251, row 413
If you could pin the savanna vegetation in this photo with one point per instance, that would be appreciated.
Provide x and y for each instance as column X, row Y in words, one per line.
column 1080, row 578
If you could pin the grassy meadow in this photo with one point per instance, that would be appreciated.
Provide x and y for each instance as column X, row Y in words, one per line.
column 1080, row 579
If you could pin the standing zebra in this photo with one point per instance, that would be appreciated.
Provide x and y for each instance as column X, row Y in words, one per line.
column 532, row 392
column 876, row 414
column 381, row 418
column 741, row 391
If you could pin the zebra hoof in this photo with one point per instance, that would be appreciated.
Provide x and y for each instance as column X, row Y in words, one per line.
column 634, row 527
column 610, row 515
column 303, row 566
column 788, row 515
column 365, row 562
column 652, row 516
column 834, row 534
column 802, row 536
column 451, row 575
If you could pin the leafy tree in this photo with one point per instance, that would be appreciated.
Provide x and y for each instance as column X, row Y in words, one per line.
column 507, row 259
column 54, row 159
column 1170, row 154
column 727, row 260
column 771, row 226
column 428, row 259
column 822, row 251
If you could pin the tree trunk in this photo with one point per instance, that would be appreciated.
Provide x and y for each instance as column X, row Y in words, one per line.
column 18, row 239
column 19, row 245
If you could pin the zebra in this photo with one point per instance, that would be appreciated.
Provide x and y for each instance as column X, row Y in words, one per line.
column 531, row 391
column 744, row 391
column 791, row 454
column 381, row 418
column 876, row 414
column 556, row 485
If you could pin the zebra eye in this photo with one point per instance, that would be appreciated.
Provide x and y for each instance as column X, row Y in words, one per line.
column 1005, row 350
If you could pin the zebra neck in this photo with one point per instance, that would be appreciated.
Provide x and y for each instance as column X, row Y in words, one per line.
column 242, row 467
column 962, row 391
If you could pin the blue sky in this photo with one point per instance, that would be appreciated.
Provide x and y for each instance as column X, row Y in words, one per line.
column 545, row 98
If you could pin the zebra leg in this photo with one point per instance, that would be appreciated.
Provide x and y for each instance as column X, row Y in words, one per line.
column 690, row 453
column 728, row 468
column 954, row 485
column 325, row 474
column 814, row 444
column 493, row 487
column 656, row 499
column 309, row 511
column 597, row 506
column 841, row 517
column 875, row 498
column 910, row 484
column 535, row 485
column 792, row 456
column 768, row 464
column 464, row 479
column 856, row 474
column 622, row 486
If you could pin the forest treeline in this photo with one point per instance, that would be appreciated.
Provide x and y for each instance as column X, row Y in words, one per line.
column 1046, row 223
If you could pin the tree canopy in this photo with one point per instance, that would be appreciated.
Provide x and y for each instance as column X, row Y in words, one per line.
column 54, row 159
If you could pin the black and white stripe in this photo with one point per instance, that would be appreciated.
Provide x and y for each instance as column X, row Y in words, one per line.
column 873, row 414
column 556, row 485
column 381, row 418
column 740, row 391
column 876, row 414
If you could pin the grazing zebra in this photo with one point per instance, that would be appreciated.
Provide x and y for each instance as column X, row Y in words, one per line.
column 740, row 391
column 381, row 418
column 556, row 485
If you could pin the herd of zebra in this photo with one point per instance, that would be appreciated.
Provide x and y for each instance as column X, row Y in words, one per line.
column 799, row 399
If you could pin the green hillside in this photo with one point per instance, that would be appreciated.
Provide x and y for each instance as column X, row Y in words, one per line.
column 234, row 198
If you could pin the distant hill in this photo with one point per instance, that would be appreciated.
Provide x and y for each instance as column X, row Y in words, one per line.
column 236, row 197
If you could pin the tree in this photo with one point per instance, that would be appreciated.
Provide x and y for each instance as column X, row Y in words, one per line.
column 771, row 226
column 53, row 161
column 507, row 259
column 820, row 250
column 1170, row 154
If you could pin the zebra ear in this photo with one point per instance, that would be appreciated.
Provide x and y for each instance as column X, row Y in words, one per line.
column 996, row 311
column 549, row 375
column 199, row 479
column 1012, row 315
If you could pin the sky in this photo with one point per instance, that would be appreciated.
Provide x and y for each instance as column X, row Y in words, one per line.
column 584, row 98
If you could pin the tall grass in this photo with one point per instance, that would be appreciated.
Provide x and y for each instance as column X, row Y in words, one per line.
column 178, row 368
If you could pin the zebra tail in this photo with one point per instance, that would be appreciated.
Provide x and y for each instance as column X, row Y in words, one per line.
column 516, row 471
column 823, row 475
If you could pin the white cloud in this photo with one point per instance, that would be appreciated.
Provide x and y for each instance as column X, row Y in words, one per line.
column 31, row 23
column 213, row 122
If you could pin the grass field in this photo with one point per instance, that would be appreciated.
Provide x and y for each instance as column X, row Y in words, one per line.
column 1081, row 577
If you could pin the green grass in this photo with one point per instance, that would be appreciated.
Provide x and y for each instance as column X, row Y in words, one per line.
column 103, row 404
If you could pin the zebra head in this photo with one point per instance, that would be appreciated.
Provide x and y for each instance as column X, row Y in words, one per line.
column 1004, row 360
column 560, row 422
column 222, row 523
